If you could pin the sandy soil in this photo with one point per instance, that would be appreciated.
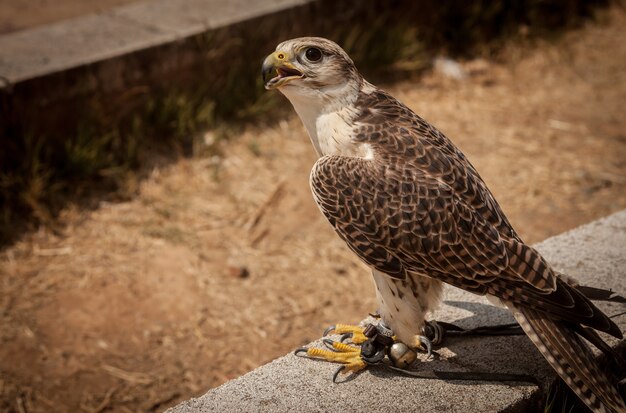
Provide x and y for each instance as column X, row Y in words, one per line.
column 222, row 264
column 22, row 14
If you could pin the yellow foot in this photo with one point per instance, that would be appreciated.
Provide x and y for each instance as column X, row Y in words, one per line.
column 346, row 354
column 368, row 346
column 355, row 333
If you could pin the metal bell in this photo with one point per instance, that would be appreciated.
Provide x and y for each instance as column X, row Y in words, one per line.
column 401, row 355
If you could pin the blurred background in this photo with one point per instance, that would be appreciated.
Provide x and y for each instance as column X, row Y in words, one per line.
column 157, row 233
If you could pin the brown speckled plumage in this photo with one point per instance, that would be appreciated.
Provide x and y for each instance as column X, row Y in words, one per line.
column 417, row 212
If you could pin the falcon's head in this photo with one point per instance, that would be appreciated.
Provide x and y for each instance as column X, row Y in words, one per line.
column 309, row 67
column 319, row 79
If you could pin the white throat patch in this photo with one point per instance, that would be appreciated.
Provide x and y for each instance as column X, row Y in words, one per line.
column 330, row 125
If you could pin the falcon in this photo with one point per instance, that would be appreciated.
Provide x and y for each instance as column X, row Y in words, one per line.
column 409, row 203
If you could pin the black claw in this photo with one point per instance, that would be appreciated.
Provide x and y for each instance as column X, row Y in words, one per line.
column 337, row 372
column 328, row 330
column 328, row 343
column 429, row 346
column 299, row 351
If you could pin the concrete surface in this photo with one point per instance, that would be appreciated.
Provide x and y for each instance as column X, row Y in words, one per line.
column 84, row 40
column 594, row 253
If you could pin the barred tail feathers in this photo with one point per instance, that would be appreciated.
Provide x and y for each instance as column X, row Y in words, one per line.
column 571, row 358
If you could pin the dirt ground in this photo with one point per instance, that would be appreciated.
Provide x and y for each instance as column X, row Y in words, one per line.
column 21, row 14
column 222, row 264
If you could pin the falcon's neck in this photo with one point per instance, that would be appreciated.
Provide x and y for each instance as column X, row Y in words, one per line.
column 328, row 116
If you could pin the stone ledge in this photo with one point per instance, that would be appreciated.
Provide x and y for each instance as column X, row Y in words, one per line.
column 595, row 254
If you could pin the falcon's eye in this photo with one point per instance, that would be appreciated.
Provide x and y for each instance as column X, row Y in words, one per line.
column 313, row 54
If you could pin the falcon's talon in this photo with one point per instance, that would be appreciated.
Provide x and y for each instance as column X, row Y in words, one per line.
column 378, row 343
column 328, row 331
column 299, row 351
column 337, row 372
column 428, row 344
column 343, row 369
column 328, row 343
column 355, row 333
column 348, row 355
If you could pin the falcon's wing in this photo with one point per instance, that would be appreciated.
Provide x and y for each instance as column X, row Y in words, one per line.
column 399, row 219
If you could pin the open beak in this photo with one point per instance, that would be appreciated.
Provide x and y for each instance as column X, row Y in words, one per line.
column 278, row 65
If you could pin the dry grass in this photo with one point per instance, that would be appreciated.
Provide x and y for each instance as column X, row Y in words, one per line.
column 224, row 263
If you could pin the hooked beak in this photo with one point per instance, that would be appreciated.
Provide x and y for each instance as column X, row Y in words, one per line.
column 278, row 63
